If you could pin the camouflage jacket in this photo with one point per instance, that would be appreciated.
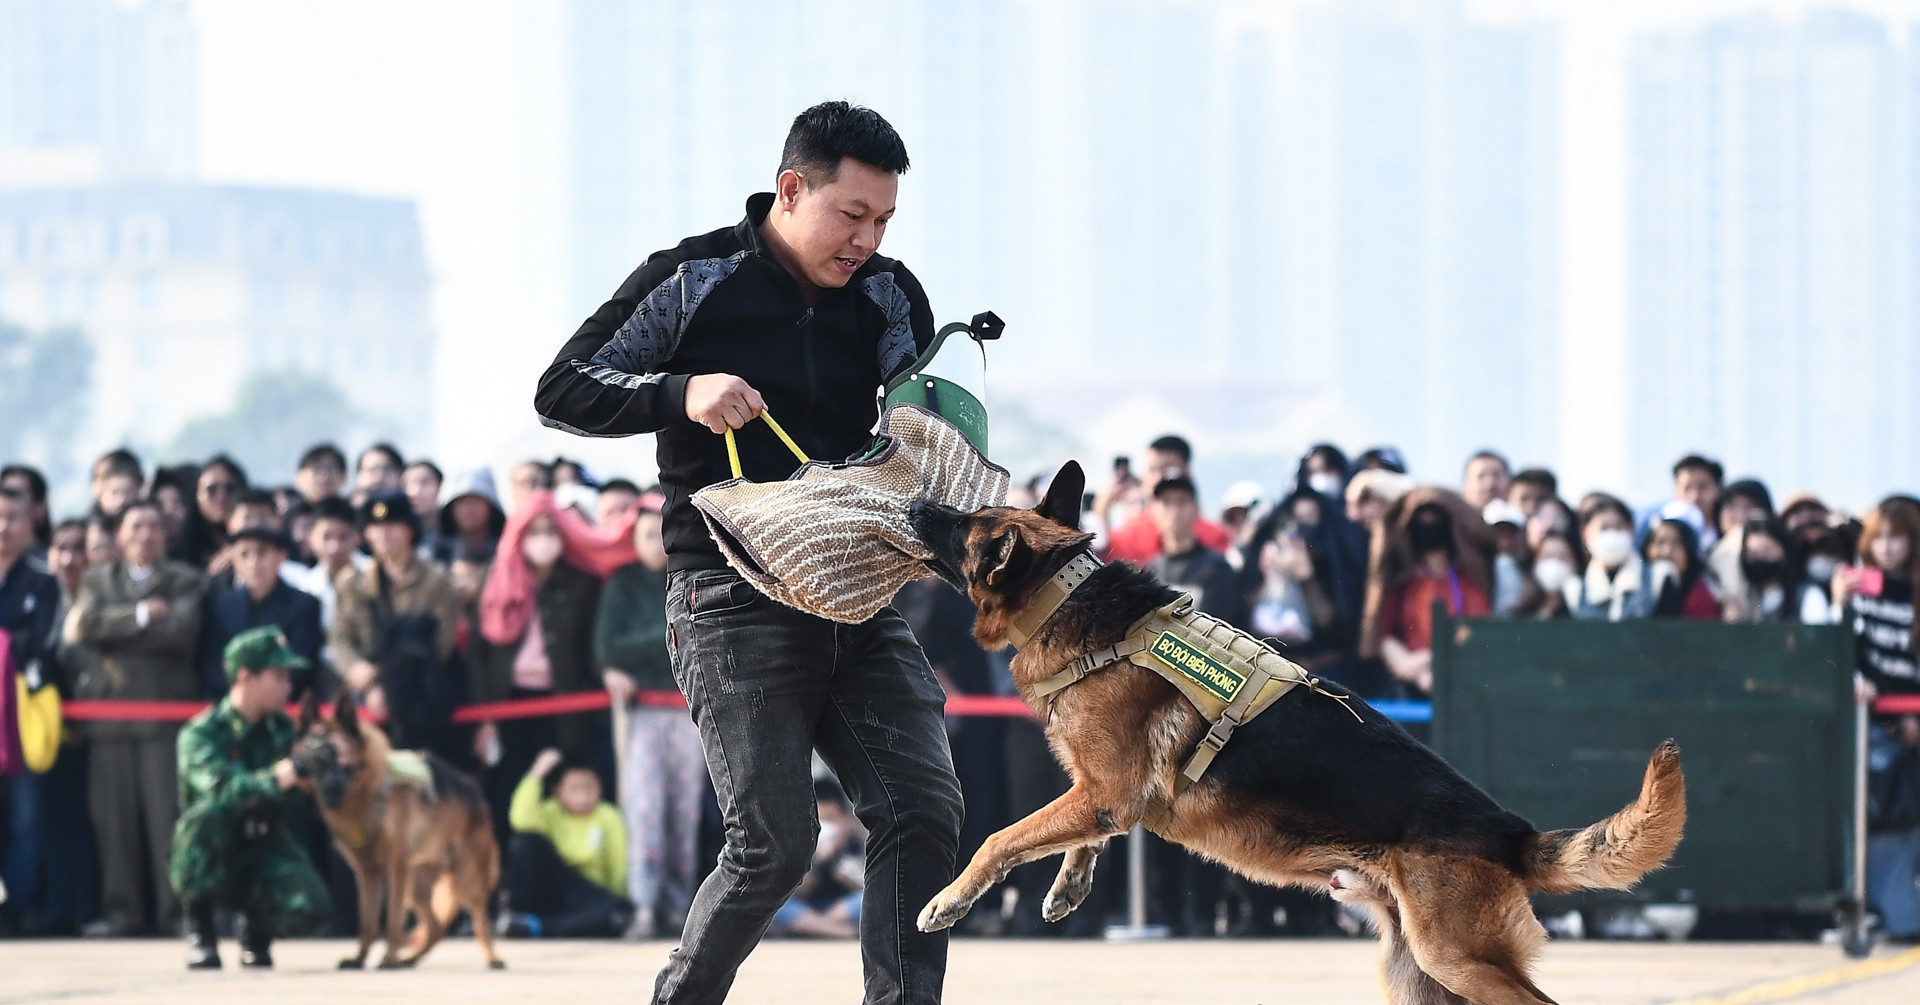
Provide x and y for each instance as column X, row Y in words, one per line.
column 226, row 760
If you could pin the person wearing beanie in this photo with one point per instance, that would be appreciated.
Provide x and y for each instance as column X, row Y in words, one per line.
column 232, row 849
column 396, row 584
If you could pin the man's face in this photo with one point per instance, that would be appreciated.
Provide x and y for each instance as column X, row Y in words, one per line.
column 422, row 488
column 102, row 547
column 391, row 542
column 377, row 473
column 613, row 505
column 1174, row 513
column 141, row 536
column 332, row 542
column 320, row 479
column 833, row 227
column 67, row 554
column 525, row 480
column 116, row 491
column 1486, row 480
column 1161, row 464
column 16, row 528
column 261, row 691
column 1696, row 486
column 1527, row 496
column 471, row 514
column 256, row 566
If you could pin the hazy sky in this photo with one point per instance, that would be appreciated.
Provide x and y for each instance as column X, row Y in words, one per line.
column 422, row 99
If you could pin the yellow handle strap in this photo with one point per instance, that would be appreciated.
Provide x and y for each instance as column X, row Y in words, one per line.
column 733, row 450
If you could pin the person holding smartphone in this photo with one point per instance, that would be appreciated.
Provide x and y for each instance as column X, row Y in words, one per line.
column 1876, row 598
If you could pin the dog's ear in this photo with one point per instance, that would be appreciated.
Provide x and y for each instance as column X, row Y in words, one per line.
column 1011, row 558
column 346, row 714
column 1064, row 493
column 309, row 712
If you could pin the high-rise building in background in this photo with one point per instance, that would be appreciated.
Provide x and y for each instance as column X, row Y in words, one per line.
column 1273, row 246
column 97, row 90
column 184, row 288
column 1772, row 253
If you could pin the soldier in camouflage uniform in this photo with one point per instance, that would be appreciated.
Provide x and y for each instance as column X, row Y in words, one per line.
column 232, row 849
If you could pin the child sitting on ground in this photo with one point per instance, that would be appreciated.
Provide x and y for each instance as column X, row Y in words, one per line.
column 567, row 867
column 827, row 902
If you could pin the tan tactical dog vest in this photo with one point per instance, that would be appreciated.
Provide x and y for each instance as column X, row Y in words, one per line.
column 833, row 539
column 1227, row 674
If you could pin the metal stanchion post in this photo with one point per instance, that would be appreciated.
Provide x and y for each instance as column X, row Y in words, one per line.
column 1136, row 927
column 1855, row 938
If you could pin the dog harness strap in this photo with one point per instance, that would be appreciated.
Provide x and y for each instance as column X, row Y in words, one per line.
column 1077, row 670
column 1222, row 731
column 1048, row 598
column 733, row 451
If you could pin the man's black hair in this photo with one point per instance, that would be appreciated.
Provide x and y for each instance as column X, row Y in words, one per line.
column 233, row 467
column 430, row 466
column 1697, row 462
column 1171, row 444
column 322, row 452
column 120, row 460
column 1176, row 483
column 36, row 482
column 1541, row 477
column 620, row 485
column 256, row 497
column 392, row 452
column 71, row 523
column 113, row 522
column 830, row 130
column 1488, row 455
column 333, row 508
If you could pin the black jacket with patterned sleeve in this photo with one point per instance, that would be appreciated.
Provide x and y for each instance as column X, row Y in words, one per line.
column 721, row 303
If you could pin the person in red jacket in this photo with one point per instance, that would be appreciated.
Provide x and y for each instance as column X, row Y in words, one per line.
column 1138, row 540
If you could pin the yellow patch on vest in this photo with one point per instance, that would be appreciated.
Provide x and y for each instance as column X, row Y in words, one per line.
column 1204, row 670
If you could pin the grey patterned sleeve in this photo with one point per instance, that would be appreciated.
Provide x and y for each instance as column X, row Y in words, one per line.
column 909, row 330
column 606, row 380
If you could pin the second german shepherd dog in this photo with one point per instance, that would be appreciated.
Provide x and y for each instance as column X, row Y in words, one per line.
column 1302, row 795
column 418, row 846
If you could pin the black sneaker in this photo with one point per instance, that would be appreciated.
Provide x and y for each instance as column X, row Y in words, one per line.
column 203, row 947
column 202, row 955
column 256, row 958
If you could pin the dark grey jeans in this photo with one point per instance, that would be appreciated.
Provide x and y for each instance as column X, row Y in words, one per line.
column 769, row 685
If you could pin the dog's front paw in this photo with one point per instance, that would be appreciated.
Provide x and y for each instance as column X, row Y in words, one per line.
column 354, row 963
column 943, row 910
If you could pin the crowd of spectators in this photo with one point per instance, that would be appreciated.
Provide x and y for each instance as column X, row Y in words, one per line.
column 419, row 593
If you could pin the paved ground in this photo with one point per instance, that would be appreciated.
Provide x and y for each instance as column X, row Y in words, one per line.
column 999, row 972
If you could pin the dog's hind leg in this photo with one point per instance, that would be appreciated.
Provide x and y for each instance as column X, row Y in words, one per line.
column 1071, row 886
column 1074, row 820
column 474, row 876
column 1468, row 925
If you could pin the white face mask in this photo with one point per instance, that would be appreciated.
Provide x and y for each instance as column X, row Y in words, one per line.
column 1611, row 547
column 542, row 550
column 1820, row 568
column 1325, row 482
column 1552, row 573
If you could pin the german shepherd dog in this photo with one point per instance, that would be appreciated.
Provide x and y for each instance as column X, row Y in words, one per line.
column 420, row 851
column 1303, row 795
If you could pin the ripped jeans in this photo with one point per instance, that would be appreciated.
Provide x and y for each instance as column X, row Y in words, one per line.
column 768, row 686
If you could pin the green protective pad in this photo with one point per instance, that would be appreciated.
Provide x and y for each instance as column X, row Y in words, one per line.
column 948, row 400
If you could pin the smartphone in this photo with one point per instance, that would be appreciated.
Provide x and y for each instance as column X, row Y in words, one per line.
column 1869, row 580
column 1123, row 467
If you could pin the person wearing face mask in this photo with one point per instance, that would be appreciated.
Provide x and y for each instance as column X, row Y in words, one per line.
column 1614, row 586
column 537, row 610
column 1555, row 562
column 1770, row 575
column 1676, row 574
column 1431, row 547
column 1739, row 502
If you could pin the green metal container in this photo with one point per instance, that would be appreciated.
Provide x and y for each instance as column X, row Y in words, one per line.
column 939, row 382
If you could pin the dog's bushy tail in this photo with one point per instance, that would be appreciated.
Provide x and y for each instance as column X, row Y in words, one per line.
column 1614, row 853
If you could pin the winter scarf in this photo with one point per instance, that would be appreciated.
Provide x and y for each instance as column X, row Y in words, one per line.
column 507, row 600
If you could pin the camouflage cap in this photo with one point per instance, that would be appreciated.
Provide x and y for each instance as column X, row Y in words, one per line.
column 261, row 648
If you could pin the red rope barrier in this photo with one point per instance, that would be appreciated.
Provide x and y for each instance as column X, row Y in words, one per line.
column 490, row 711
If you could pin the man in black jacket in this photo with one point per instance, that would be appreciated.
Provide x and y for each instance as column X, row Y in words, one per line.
column 259, row 597
column 793, row 313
